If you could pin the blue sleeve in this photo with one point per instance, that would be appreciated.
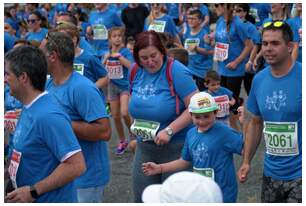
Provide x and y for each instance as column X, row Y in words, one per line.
column 254, row 34
column 185, row 151
column 205, row 10
column 100, row 71
column 233, row 141
column 252, row 105
column 295, row 30
column 58, row 135
column 89, row 103
column 241, row 30
column 128, row 55
column 117, row 20
column 182, row 81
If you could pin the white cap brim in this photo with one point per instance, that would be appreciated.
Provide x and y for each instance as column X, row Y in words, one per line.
column 151, row 194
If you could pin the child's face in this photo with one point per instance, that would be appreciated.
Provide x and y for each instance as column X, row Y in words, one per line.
column 116, row 38
column 193, row 21
column 203, row 121
column 213, row 85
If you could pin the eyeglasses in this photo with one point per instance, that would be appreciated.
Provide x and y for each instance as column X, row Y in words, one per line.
column 238, row 10
column 276, row 24
column 192, row 18
column 32, row 21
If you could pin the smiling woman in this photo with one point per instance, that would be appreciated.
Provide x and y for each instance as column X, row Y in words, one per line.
column 159, row 129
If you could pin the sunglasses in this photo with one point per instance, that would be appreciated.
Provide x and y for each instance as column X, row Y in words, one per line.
column 238, row 10
column 32, row 21
column 276, row 24
column 217, row 5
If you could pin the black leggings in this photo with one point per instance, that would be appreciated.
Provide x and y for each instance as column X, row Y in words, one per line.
column 233, row 84
column 247, row 82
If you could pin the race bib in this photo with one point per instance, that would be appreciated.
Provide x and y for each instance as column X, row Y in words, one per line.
column 158, row 26
column 281, row 138
column 207, row 172
column 79, row 68
column 100, row 32
column 223, row 103
column 10, row 121
column 13, row 168
column 114, row 69
column 191, row 43
column 144, row 129
column 221, row 52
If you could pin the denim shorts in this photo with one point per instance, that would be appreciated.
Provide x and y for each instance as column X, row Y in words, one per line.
column 90, row 194
column 114, row 92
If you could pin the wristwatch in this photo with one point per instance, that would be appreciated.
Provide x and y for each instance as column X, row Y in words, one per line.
column 33, row 192
column 169, row 131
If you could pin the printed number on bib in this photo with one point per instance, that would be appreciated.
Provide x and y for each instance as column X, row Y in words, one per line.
column 14, row 164
column 144, row 129
column 158, row 26
column 223, row 103
column 79, row 68
column 207, row 172
column 191, row 43
column 221, row 52
column 10, row 120
column 100, row 32
column 114, row 69
column 281, row 138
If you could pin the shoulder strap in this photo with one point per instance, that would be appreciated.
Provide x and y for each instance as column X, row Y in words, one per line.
column 132, row 76
column 170, row 82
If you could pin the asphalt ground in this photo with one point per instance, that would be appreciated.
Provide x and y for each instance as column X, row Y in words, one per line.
column 119, row 189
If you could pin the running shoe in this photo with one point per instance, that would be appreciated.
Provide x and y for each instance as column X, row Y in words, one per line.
column 121, row 147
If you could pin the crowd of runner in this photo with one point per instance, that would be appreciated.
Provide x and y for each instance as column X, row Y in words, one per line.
column 171, row 74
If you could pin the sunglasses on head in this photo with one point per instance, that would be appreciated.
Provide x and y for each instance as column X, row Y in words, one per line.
column 276, row 24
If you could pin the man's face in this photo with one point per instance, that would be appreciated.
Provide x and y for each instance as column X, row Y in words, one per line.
column 275, row 49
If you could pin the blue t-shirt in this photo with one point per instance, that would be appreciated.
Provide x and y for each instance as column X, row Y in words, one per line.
column 173, row 10
column 214, row 149
column 296, row 26
column 279, row 100
column 89, row 65
column 260, row 11
column 9, row 41
column 221, row 92
column 151, row 98
column 198, row 64
column 101, row 22
column 84, row 44
column 44, row 136
column 235, row 38
column 162, row 24
column 123, row 82
column 37, row 36
column 82, row 101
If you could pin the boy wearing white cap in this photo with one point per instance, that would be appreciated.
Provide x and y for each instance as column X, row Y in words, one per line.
column 209, row 148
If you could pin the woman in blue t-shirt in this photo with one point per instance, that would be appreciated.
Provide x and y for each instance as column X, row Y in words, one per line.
column 232, row 47
column 158, row 109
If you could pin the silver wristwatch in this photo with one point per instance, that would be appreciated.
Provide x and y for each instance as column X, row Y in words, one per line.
column 169, row 131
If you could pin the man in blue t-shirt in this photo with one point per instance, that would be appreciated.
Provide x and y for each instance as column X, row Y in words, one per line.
column 83, row 102
column 275, row 105
column 46, row 156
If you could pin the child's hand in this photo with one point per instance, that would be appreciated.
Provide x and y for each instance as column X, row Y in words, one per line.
column 241, row 114
column 150, row 168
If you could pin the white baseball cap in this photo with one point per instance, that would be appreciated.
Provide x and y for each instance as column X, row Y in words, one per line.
column 184, row 187
column 202, row 102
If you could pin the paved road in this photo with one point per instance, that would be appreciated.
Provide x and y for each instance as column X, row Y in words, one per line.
column 119, row 190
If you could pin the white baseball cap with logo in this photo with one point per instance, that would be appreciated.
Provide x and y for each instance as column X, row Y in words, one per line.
column 184, row 187
column 202, row 102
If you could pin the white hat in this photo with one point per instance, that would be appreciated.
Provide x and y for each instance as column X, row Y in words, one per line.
column 183, row 187
column 202, row 102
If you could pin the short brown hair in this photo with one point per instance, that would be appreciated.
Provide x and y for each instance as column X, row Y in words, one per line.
column 146, row 39
column 212, row 75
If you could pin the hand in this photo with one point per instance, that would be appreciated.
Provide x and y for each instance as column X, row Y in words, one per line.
column 248, row 66
column 240, row 114
column 243, row 172
column 21, row 194
column 232, row 65
column 150, row 168
column 162, row 138
column 192, row 48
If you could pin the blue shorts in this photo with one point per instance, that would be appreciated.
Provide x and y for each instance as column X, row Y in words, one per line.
column 90, row 194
